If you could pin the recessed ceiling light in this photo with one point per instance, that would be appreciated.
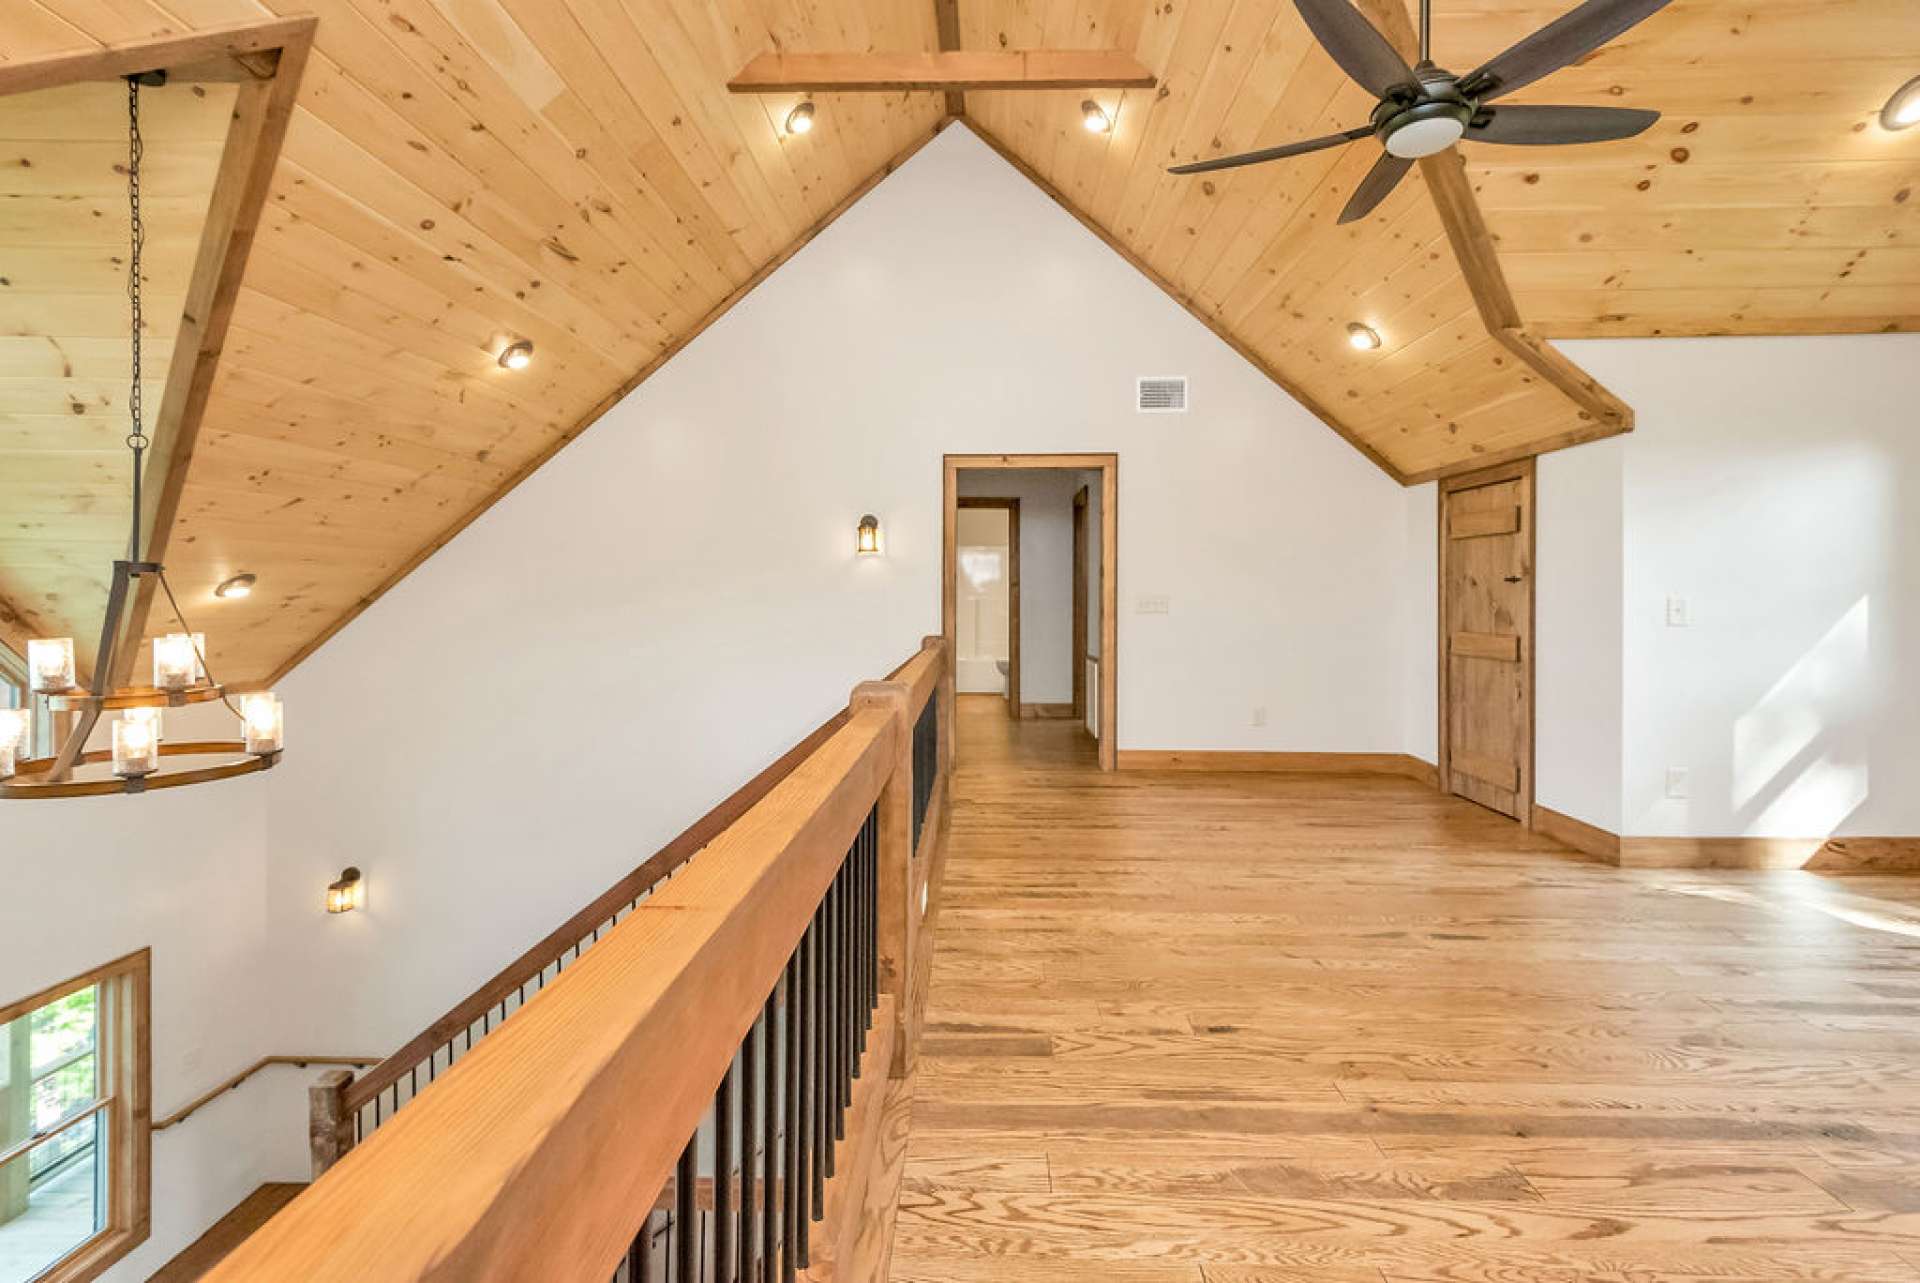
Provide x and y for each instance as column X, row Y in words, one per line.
column 800, row 119
column 1903, row 109
column 238, row 586
column 1363, row 337
column 1096, row 120
column 517, row 355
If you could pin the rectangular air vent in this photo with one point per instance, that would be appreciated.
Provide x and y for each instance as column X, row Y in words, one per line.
column 1165, row 394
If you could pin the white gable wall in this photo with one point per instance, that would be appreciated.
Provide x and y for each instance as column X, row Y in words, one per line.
column 673, row 599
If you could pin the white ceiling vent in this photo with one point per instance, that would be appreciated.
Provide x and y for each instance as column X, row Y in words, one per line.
column 1165, row 394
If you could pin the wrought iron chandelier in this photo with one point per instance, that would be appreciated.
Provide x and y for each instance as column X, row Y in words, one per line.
column 180, row 675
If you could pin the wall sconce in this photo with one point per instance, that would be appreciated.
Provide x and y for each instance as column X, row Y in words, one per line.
column 867, row 542
column 348, row 894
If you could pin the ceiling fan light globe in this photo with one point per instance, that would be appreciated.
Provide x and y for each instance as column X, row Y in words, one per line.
column 1429, row 137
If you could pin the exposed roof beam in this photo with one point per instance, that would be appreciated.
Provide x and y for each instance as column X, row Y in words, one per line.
column 946, row 23
column 893, row 72
column 190, row 53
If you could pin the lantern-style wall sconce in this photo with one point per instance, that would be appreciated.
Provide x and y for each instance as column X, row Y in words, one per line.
column 348, row 894
column 867, row 543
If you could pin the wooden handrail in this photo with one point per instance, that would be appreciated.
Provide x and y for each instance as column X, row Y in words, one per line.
column 606, row 1071
column 226, row 1085
column 537, row 959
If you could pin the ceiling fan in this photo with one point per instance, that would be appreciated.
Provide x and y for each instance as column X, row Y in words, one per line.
column 1425, row 109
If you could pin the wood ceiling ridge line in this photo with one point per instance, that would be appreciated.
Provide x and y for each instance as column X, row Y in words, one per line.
column 1305, row 399
column 606, row 403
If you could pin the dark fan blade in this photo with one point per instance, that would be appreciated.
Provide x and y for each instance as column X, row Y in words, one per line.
column 1560, row 43
column 1531, row 126
column 1272, row 153
column 1374, row 188
column 1352, row 41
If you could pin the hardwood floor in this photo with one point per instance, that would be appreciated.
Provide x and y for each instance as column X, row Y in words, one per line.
column 1194, row 1028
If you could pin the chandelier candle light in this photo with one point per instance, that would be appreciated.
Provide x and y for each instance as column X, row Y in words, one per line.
column 180, row 673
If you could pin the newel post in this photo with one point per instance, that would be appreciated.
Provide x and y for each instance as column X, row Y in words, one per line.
column 329, row 1121
column 898, row 922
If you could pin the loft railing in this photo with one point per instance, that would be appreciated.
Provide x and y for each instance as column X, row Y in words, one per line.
column 691, row 1094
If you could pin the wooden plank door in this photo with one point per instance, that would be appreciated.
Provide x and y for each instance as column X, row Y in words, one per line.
column 1486, row 638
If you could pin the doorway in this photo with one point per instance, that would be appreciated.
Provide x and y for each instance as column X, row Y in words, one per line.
column 1087, row 667
column 987, row 620
column 1486, row 638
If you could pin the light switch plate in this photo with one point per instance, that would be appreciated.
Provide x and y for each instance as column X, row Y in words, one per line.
column 1676, row 612
column 1679, row 783
column 1152, row 604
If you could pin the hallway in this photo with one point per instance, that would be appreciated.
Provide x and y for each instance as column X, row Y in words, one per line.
column 1213, row 1028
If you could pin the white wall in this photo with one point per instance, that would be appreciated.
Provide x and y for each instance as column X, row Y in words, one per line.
column 1419, row 626
column 1578, row 696
column 679, row 582
column 181, row 872
column 1046, row 572
column 1771, row 484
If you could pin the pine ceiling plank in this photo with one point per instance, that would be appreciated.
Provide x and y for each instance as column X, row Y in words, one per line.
column 1287, row 95
column 1791, row 227
column 597, row 98
column 431, row 41
column 1180, row 83
column 516, row 162
column 1224, row 82
column 322, row 165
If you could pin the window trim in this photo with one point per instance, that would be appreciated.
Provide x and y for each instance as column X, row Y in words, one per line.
column 124, row 1042
column 13, row 671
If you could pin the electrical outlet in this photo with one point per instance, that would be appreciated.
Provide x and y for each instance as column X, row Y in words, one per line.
column 1152, row 604
column 1676, row 612
column 1260, row 715
column 1679, row 783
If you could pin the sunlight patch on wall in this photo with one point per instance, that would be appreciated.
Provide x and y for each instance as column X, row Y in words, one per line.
column 1800, row 754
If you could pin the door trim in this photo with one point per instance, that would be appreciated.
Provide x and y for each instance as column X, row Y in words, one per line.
column 1522, row 469
column 1013, row 591
column 1108, row 466
column 1080, row 605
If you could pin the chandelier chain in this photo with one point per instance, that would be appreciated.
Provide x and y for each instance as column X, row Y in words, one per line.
column 137, row 439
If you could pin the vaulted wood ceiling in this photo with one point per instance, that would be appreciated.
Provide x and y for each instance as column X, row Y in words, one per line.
column 574, row 171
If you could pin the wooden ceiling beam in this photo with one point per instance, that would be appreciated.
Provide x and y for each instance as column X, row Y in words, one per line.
column 945, row 70
column 239, row 44
column 946, row 23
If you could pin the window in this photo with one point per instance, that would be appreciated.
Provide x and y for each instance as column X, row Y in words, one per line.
column 15, row 693
column 74, row 1145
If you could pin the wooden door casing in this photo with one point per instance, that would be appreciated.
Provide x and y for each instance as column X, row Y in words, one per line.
column 1486, row 638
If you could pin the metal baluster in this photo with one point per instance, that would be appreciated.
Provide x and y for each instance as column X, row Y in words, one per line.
column 686, row 1219
column 800, row 1094
column 640, row 1253
column 817, row 1105
column 770, row 1172
column 843, row 1073
column 830, row 1045
column 749, row 1142
column 723, row 1180
column 859, row 858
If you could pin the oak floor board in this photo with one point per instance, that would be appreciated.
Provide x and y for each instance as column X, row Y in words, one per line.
column 1247, row 1028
